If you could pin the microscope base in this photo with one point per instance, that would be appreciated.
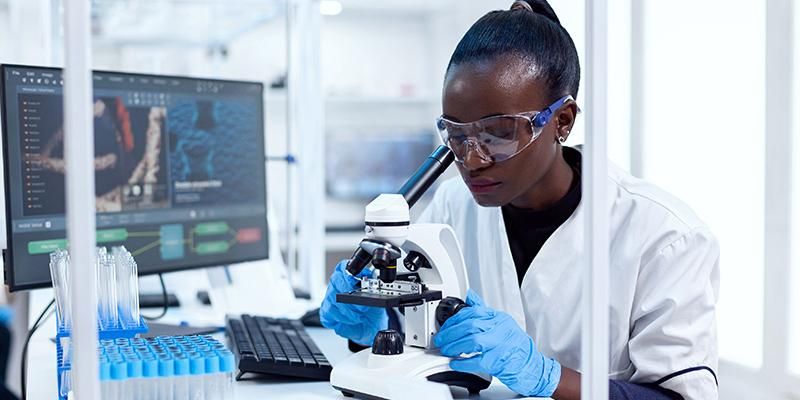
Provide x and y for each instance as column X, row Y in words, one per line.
column 369, row 376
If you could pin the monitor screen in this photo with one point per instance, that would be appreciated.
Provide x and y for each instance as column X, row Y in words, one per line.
column 180, row 175
column 391, row 158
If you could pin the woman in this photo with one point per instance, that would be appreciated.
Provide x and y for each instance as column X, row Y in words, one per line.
column 509, row 106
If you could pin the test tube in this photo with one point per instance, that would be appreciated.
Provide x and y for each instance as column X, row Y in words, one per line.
column 227, row 365
column 66, row 383
column 128, row 285
column 59, row 274
column 166, row 370
column 106, row 290
column 197, row 367
column 119, row 373
column 149, row 387
column 212, row 382
column 134, row 384
column 105, row 379
column 182, row 376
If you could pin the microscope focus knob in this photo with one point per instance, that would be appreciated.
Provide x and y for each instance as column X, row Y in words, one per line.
column 388, row 342
column 448, row 307
column 415, row 261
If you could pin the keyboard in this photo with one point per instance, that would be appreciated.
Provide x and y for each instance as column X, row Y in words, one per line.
column 276, row 346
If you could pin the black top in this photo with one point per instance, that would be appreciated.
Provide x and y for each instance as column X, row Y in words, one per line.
column 528, row 230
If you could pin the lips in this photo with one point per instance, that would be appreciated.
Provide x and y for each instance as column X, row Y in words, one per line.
column 482, row 185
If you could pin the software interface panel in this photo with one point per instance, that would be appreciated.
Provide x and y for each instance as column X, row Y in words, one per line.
column 179, row 169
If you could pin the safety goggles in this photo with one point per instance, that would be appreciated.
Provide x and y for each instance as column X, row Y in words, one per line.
column 499, row 137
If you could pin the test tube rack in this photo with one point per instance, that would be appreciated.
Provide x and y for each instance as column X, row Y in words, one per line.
column 63, row 362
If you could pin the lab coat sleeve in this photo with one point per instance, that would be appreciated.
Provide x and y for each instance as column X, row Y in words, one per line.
column 673, row 340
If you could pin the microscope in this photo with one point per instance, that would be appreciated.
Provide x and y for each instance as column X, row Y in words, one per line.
column 421, row 273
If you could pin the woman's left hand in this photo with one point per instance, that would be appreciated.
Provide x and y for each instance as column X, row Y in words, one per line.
column 503, row 349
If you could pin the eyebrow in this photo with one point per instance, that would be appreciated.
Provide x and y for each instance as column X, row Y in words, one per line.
column 449, row 118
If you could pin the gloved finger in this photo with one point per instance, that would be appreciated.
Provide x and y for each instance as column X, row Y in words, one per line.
column 342, row 282
column 368, row 271
column 472, row 364
column 466, row 345
column 473, row 299
column 459, row 331
column 338, row 315
column 342, row 266
column 328, row 317
column 469, row 313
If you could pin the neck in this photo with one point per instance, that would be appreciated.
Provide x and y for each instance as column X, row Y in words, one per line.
column 553, row 186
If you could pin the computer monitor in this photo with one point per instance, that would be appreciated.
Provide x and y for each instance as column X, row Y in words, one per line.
column 391, row 157
column 180, row 175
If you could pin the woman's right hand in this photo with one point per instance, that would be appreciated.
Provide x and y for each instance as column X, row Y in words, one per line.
column 357, row 323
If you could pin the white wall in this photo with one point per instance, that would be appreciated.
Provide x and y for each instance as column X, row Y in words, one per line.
column 704, row 142
column 794, row 333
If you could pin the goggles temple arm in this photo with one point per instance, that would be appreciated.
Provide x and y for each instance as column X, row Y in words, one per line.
column 541, row 119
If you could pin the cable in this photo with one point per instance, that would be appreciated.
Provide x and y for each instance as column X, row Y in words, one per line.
column 39, row 322
column 166, row 301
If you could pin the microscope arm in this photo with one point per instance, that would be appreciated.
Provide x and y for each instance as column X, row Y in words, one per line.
column 412, row 190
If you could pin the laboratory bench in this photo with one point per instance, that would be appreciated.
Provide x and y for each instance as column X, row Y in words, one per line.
column 42, row 365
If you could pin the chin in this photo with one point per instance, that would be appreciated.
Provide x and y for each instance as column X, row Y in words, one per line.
column 484, row 200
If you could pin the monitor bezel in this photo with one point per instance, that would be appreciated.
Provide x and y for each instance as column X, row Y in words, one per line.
column 8, row 254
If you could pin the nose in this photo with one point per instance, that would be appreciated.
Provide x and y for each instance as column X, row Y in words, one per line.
column 474, row 157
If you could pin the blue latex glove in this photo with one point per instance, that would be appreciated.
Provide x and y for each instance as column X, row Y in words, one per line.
column 506, row 351
column 357, row 323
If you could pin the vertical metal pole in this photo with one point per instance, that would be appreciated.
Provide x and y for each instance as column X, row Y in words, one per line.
column 777, row 191
column 291, row 222
column 305, row 86
column 594, row 342
column 79, row 157
column 637, row 87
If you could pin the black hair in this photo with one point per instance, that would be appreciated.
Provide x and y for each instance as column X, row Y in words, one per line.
column 532, row 31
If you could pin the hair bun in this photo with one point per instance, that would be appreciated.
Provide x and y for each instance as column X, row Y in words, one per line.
column 541, row 7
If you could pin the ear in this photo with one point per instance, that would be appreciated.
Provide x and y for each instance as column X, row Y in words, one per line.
column 565, row 120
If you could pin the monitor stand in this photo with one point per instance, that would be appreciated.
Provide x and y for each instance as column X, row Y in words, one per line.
column 156, row 300
column 155, row 329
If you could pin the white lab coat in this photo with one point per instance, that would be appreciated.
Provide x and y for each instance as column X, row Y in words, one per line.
column 664, row 274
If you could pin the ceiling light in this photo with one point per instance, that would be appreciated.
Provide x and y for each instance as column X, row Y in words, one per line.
column 330, row 7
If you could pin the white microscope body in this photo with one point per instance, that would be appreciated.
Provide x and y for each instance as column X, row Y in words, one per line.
column 432, row 269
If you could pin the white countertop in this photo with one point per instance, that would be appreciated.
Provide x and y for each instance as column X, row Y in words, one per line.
column 42, row 366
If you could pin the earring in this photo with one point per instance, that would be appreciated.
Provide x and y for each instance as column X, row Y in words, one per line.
column 562, row 139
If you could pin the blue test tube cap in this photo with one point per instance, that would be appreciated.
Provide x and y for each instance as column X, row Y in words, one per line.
column 116, row 357
column 150, row 367
column 227, row 362
column 182, row 365
column 212, row 362
column 135, row 367
column 105, row 370
column 218, row 346
column 166, row 367
column 119, row 370
column 197, row 365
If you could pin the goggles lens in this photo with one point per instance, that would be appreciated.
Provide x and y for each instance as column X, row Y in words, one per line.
column 496, row 138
